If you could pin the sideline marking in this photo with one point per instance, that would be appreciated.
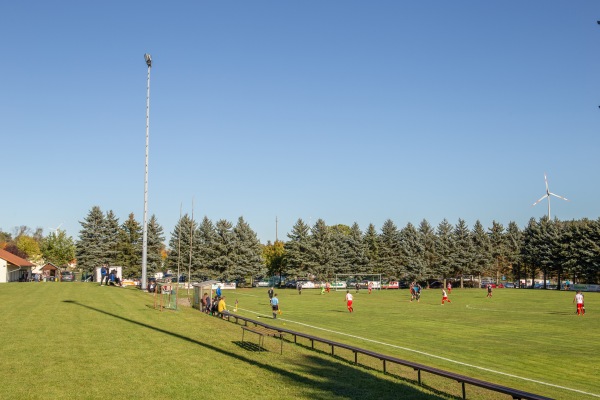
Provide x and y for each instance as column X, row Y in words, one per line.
column 246, row 294
column 514, row 311
column 428, row 354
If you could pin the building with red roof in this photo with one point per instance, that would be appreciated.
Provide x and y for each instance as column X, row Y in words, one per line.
column 13, row 268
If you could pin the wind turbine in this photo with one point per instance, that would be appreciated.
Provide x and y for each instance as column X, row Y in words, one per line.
column 56, row 229
column 548, row 194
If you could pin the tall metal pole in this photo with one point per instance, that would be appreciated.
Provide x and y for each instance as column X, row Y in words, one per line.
column 145, row 229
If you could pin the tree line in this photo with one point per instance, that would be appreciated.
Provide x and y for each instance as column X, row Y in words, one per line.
column 553, row 249
column 222, row 250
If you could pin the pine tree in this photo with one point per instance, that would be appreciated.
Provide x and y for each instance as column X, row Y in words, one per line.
column 155, row 245
column 339, row 260
column 224, row 262
column 297, row 249
column 444, row 249
column 205, row 239
column 91, row 248
column 180, row 257
column 413, row 255
column 129, row 247
column 482, row 259
column 371, row 244
column 514, row 241
column 463, row 249
column 111, row 236
column 427, row 240
column 321, row 254
column 530, row 251
column 247, row 252
column 390, row 252
column 355, row 251
column 498, row 249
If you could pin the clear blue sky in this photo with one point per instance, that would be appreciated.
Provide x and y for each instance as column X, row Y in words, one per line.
column 349, row 111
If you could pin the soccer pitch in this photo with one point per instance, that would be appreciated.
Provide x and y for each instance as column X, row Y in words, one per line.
column 81, row 341
column 526, row 339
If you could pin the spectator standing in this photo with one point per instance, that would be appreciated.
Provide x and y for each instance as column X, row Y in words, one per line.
column 270, row 292
column 207, row 300
column 103, row 275
column 203, row 301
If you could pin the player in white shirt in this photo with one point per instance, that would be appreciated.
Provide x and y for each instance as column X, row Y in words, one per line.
column 349, row 299
column 579, row 299
column 445, row 297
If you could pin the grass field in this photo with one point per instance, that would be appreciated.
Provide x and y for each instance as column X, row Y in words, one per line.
column 527, row 339
column 78, row 340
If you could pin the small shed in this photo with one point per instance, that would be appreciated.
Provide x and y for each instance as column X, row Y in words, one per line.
column 14, row 268
column 199, row 290
column 50, row 272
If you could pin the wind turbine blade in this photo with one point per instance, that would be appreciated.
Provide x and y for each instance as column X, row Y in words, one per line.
column 543, row 197
column 546, row 180
column 560, row 197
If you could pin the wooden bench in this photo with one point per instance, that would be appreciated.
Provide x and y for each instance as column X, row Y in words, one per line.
column 261, row 331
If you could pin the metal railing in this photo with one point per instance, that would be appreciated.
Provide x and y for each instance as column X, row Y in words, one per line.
column 462, row 379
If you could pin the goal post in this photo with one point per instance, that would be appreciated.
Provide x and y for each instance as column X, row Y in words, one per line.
column 349, row 281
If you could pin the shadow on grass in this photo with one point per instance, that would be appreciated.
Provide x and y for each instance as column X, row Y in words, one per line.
column 367, row 367
column 327, row 377
column 249, row 346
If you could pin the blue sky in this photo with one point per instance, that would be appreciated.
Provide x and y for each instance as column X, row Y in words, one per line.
column 349, row 111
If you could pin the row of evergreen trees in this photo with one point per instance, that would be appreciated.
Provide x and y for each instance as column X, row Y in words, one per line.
column 102, row 240
column 552, row 248
column 222, row 250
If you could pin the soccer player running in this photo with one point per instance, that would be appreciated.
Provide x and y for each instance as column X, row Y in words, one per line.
column 417, row 289
column 579, row 299
column 445, row 297
column 349, row 301
column 489, row 288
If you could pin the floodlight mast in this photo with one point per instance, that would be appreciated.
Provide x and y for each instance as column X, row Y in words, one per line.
column 144, row 282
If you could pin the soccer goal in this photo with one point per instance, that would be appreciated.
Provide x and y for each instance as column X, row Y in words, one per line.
column 165, row 296
column 350, row 281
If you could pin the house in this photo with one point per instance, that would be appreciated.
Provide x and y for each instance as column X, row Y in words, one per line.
column 14, row 268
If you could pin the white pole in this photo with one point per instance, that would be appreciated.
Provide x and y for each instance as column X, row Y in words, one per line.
column 145, row 229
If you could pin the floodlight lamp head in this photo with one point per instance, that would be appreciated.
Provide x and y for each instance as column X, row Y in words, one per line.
column 148, row 60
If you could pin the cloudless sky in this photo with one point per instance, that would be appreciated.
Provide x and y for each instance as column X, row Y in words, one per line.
column 349, row 111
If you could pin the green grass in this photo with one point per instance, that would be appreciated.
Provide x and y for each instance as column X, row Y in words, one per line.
column 82, row 341
column 513, row 339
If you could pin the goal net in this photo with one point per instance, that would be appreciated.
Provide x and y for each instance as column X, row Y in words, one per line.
column 165, row 296
column 357, row 281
